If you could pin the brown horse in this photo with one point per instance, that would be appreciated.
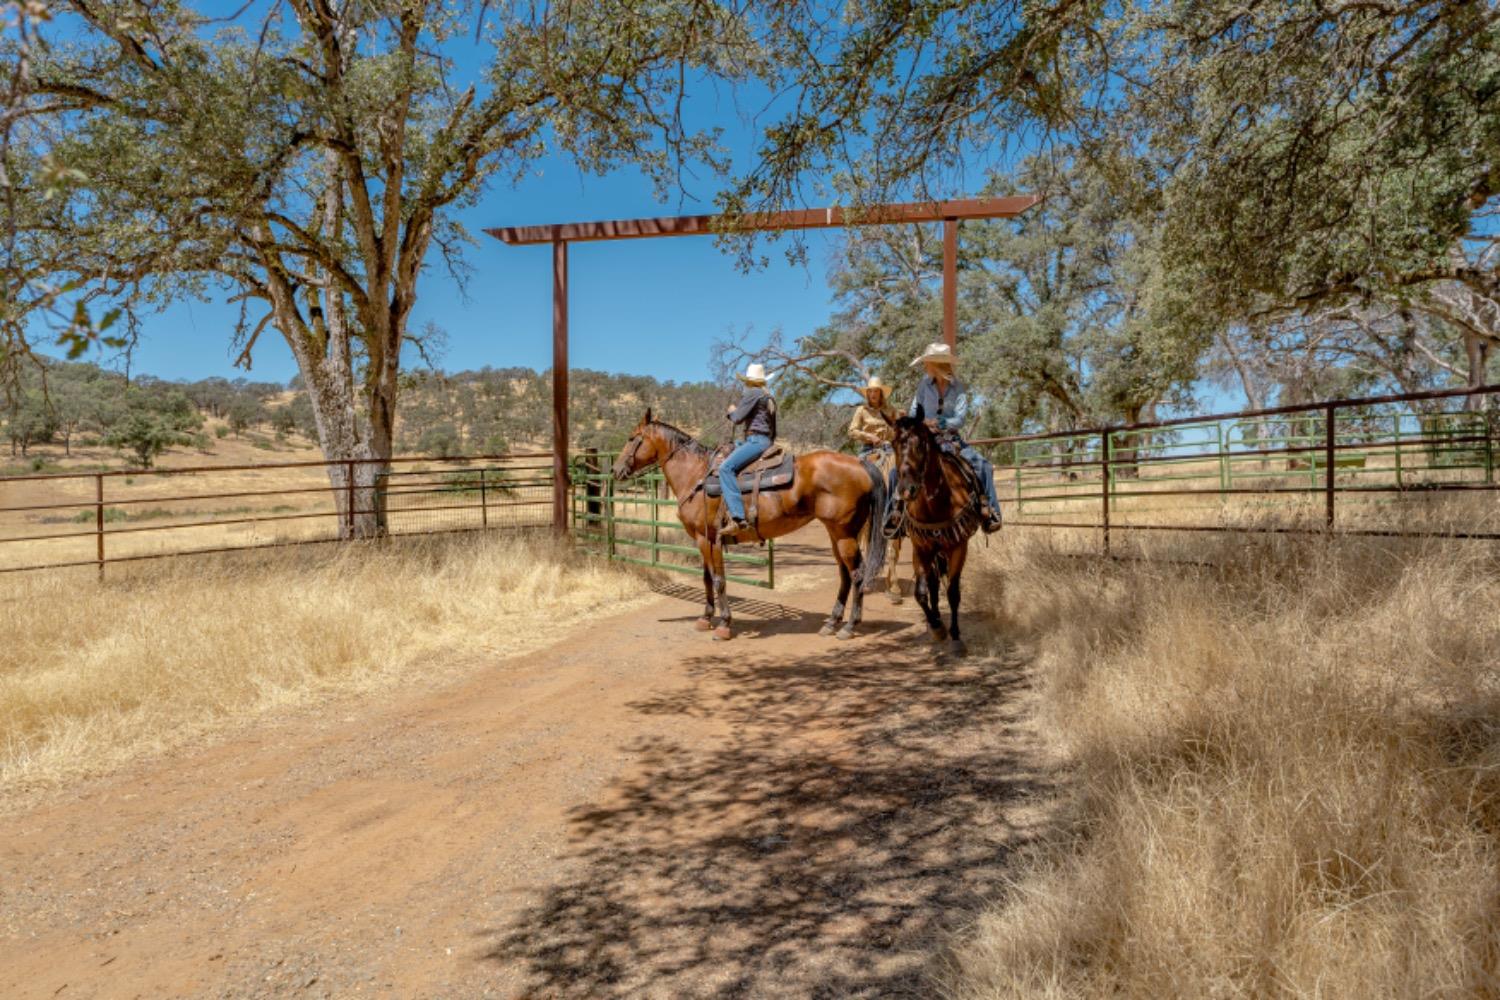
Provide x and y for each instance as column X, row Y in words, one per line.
column 833, row 488
column 938, row 502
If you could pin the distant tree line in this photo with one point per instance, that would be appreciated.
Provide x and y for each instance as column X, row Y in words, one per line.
column 488, row 411
column 71, row 404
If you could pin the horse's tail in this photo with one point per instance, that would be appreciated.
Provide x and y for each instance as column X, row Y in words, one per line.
column 874, row 538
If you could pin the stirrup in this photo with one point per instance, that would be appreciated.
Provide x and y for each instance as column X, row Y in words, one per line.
column 991, row 522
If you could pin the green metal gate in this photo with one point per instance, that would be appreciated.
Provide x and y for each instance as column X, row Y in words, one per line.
column 636, row 522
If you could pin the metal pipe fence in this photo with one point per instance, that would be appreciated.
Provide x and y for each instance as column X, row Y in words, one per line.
column 1385, row 466
column 81, row 519
column 624, row 522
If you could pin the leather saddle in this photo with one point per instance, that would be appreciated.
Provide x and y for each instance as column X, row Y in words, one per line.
column 772, row 471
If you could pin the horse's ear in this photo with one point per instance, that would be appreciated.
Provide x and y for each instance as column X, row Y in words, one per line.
column 921, row 413
column 647, row 418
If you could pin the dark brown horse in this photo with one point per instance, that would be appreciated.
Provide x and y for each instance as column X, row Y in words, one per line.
column 833, row 488
column 938, row 501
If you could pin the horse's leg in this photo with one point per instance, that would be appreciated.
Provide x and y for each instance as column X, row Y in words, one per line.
column 850, row 556
column 836, row 616
column 956, row 560
column 927, row 573
column 893, row 585
column 725, row 628
column 924, row 589
column 704, row 623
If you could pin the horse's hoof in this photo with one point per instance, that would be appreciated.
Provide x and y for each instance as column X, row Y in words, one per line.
column 847, row 632
column 956, row 647
column 939, row 634
column 897, row 598
column 829, row 628
column 723, row 633
column 703, row 624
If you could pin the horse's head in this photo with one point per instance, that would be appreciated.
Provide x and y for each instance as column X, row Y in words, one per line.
column 643, row 450
column 916, row 445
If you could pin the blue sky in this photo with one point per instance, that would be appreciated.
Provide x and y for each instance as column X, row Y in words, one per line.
column 650, row 307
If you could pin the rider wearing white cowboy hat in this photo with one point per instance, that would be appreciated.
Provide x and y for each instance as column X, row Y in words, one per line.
column 756, row 412
column 944, row 402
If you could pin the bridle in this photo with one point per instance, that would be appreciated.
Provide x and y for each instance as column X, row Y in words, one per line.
column 635, row 446
column 958, row 521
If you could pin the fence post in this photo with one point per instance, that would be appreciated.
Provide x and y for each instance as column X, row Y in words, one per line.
column 609, row 517
column 484, row 503
column 1396, row 423
column 1328, row 461
column 99, row 521
column 1223, row 461
column 1105, row 484
column 1489, row 441
column 655, row 516
column 349, row 512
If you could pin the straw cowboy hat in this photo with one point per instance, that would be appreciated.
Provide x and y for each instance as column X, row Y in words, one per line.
column 938, row 353
column 876, row 385
column 755, row 374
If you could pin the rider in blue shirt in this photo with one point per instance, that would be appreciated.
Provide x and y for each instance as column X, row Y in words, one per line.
column 944, row 402
column 756, row 412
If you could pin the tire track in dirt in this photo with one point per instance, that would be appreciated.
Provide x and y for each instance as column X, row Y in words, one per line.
column 633, row 811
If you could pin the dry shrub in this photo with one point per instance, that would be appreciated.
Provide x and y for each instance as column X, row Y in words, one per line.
column 1284, row 772
column 92, row 674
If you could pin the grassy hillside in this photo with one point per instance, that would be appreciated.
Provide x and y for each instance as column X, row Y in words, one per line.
column 80, row 416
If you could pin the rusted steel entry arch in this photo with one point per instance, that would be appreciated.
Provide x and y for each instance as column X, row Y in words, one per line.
column 950, row 213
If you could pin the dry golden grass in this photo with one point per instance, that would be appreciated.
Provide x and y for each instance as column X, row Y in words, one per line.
column 1283, row 774
column 95, row 674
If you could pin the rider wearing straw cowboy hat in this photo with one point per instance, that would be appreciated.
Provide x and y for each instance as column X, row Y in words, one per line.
column 756, row 412
column 872, row 423
column 944, row 402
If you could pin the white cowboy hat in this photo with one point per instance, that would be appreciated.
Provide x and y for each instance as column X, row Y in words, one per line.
column 876, row 384
column 938, row 353
column 755, row 374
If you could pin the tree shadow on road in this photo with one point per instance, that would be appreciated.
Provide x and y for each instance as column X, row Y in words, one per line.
column 861, row 801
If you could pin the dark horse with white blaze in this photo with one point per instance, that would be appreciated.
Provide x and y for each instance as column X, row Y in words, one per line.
column 828, row 486
column 938, row 502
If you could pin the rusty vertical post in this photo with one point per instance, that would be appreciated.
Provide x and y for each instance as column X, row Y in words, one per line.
column 950, row 282
column 99, row 521
column 560, row 386
column 1104, row 484
column 484, row 503
column 1328, row 462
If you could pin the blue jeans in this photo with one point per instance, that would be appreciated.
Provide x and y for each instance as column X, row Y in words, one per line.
column 986, row 472
column 749, row 450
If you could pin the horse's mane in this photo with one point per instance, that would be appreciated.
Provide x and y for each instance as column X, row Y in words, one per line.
column 680, row 438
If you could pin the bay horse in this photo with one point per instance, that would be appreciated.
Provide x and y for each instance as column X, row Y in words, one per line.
column 828, row 486
column 939, row 502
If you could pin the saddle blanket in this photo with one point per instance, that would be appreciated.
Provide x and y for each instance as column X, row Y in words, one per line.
column 776, row 476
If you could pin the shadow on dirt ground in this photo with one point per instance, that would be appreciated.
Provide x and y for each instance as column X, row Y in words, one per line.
column 864, row 799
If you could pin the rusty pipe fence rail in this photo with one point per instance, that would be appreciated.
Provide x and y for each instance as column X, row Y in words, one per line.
column 1380, row 466
column 81, row 519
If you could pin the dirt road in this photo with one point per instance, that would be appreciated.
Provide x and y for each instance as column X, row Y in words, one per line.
column 634, row 811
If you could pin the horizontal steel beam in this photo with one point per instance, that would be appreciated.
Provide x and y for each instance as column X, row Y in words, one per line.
column 807, row 218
